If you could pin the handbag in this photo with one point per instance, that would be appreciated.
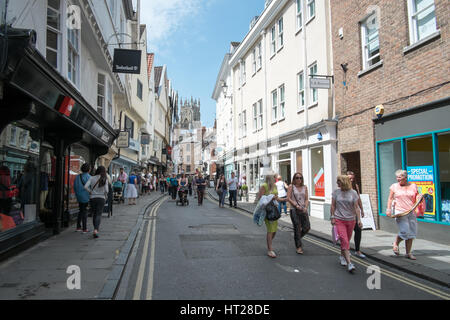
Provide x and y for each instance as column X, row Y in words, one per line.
column 272, row 213
column 334, row 235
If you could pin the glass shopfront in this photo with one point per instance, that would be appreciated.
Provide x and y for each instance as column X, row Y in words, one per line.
column 19, row 176
column 426, row 157
column 317, row 173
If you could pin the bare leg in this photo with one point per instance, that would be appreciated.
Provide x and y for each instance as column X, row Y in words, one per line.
column 409, row 243
column 346, row 255
column 270, row 237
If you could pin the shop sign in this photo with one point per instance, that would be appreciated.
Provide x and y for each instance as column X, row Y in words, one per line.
column 123, row 141
column 127, row 61
column 423, row 178
column 367, row 221
column 320, row 83
column 319, row 184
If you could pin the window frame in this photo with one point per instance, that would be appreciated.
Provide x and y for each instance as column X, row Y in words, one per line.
column 280, row 35
column 301, row 91
column 274, row 95
column 365, row 43
column 139, row 89
column 103, row 107
column 73, row 56
column 299, row 15
column 260, row 114
column 309, row 4
column 59, row 36
column 282, row 101
column 273, row 41
column 259, row 57
column 313, row 90
column 254, row 61
column 413, row 21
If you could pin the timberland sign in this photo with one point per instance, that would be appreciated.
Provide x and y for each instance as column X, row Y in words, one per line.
column 127, row 61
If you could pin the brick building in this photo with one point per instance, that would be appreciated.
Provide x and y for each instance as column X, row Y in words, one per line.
column 395, row 54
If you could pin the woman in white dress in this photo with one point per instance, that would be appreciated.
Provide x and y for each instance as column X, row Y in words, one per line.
column 132, row 190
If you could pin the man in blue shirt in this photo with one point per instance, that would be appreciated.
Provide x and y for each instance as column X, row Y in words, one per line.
column 82, row 196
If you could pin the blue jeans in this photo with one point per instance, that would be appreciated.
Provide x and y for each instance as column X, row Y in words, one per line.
column 233, row 195
column 284, row 204
column 222, row 197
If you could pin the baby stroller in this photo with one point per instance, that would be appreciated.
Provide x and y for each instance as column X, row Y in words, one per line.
column 118, row 192
column 182, row 194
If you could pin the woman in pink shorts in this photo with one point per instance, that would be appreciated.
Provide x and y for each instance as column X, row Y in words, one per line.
column 344, row 212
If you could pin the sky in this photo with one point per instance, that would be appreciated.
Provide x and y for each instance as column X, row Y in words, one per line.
column 191, row 37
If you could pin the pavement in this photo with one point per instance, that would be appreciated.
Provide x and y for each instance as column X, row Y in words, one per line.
column 433, row 259
column 45, row 270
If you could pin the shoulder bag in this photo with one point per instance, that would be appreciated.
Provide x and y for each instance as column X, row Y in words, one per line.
column 272, row 213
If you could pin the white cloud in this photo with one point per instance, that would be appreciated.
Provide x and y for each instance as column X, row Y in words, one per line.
column 165, row 17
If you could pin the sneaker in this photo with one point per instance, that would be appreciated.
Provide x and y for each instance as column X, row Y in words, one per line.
column 360, row 255
column 86, row 231
column 343, row 261
column 351, row 267
column 78, row 230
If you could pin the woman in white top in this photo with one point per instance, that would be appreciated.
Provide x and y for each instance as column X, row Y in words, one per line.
column 97, row 186
column 282, row 193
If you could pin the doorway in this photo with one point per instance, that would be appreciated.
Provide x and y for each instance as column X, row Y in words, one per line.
column 350, row 161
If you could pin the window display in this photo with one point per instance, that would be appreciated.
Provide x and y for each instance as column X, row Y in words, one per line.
column 444, row 175
column 19, row 156
column 317, row 173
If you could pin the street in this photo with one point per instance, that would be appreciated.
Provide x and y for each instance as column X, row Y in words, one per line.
column 211, row 253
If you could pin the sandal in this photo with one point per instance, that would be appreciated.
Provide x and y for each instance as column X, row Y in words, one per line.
column 410, row 256
column 396, row 250
column 299, row 251
column 271, row 254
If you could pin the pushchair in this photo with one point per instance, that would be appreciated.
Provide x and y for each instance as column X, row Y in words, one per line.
column 118, row 192
column 182, row 196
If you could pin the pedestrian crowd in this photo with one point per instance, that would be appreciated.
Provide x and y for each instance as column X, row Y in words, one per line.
column 274, row 196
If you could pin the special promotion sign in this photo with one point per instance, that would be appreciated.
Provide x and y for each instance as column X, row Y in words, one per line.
column 423, row 178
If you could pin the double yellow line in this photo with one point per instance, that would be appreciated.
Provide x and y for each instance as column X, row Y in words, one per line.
column 420, row 286
column 151, row 231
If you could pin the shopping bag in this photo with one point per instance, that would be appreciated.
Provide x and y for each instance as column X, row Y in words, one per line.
column 334, row 235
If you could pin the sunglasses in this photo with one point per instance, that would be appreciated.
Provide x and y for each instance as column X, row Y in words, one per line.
column 299, row 178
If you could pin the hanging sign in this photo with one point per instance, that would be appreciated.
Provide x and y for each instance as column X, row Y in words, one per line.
column 123, row 141
column 127, row 61
column 423, row 178
column 320, row 83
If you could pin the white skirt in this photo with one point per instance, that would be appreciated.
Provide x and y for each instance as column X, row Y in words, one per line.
column 131, row 191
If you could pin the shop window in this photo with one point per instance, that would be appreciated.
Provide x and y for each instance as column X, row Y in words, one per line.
column 19, row 173
column 389, row 161
column 420, row 166
column 317, row 173
column 444, row 175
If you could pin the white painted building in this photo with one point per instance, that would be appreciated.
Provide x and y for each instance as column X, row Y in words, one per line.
column 281, row 124
column 223, row 95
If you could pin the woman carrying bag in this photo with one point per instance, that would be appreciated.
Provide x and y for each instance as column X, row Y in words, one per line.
column 266, row 189
column 221, row 190
column 297, row 196
column 344, row 214
column 97, row 186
